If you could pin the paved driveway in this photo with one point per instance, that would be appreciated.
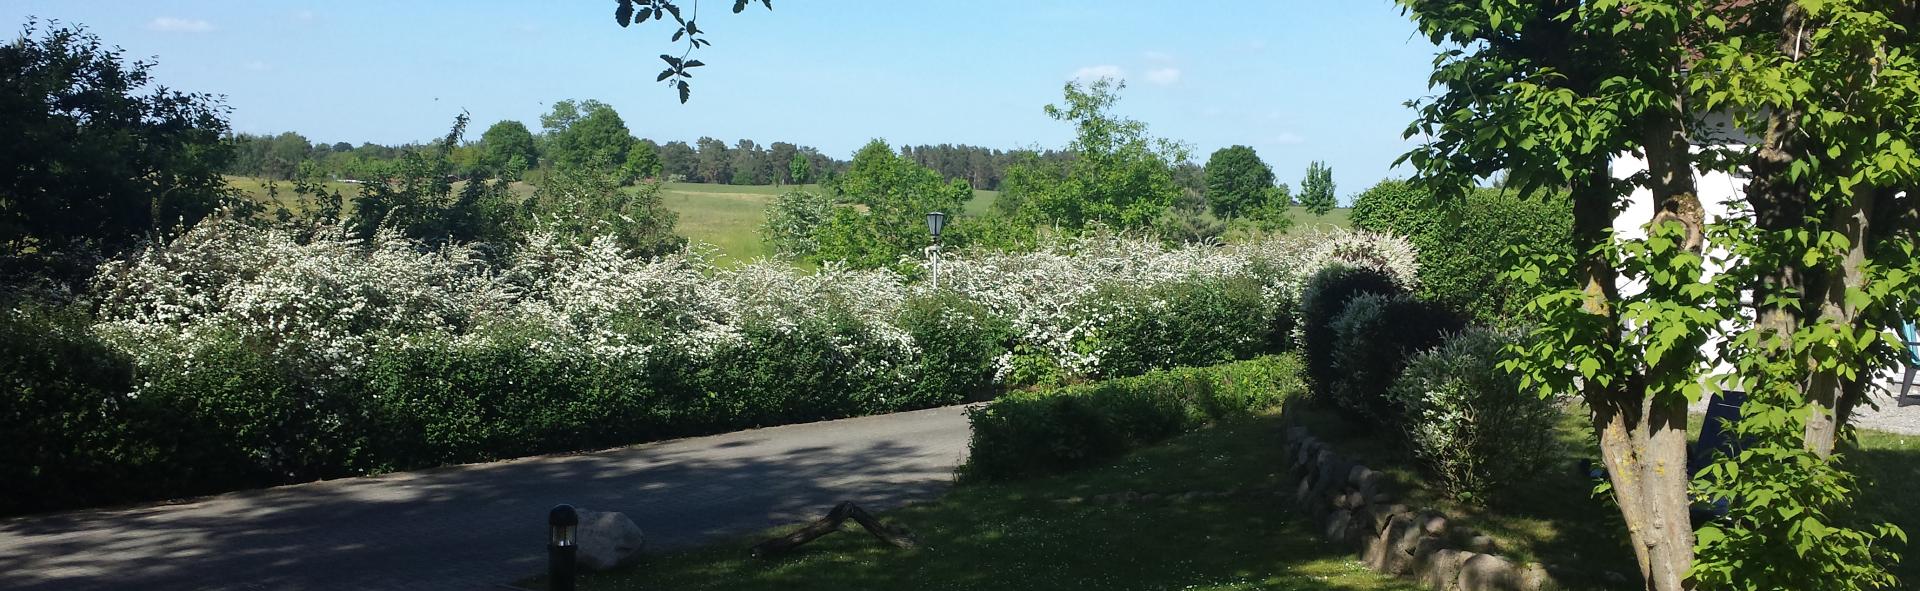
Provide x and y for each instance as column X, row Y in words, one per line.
column 476, row 526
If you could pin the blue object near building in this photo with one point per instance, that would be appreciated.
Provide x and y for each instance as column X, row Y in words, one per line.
column 1912, row 340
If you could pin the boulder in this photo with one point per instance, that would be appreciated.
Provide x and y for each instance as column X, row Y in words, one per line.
column 606, row 539
column 1534, row 577
column 1338, row 524
column 1441, row 570
column 1486, row 572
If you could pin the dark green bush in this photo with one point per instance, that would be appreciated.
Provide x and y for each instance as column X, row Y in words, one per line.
column 1469, row 422
column 1464, row 243
column 1321, row 301
column 437, row 403
column 1051, row 430
column 1373, row 339
column 959, row 340
column 234, row 419
column 60, row 389
column 825, row 368
column 1185, row 324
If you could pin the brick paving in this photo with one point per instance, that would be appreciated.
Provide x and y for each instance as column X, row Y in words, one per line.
column 483, row 525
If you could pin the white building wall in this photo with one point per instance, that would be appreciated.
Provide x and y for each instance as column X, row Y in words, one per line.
column 1716, row 189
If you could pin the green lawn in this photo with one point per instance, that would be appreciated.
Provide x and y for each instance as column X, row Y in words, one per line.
column 729, row 216
column 1557, row 520
column 1020, row 536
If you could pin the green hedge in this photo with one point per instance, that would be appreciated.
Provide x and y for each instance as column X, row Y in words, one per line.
column 1464, row 244
column 1373, row 339
column 99, row 428
column 1052, row 430
column 1322, row 301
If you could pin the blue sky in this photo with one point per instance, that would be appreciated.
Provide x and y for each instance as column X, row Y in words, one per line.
column 1298, row 80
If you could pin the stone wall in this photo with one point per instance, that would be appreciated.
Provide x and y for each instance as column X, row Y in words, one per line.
column 1351, row 505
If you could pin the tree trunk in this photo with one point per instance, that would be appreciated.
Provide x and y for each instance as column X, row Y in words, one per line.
column 1829, row 394
column 1642, row 441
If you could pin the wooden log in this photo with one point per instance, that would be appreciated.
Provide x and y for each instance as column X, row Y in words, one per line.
column 831, row 523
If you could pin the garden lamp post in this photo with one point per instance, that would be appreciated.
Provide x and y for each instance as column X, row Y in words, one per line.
column 935, row 221
column 563, row 526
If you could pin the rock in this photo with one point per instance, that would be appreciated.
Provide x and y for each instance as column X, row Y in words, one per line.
column 1370, row 484
column 1356, row 474
column 1534, row 577
column 1405, row 536
column 1433, row 523
column 1382, row 499
column 1441, row 570
column 607, row 539
column 1481, row 543
column 1295, row 434
column 1338, row 525
column 1486, row 572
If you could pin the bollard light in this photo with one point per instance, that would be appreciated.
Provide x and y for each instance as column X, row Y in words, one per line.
column 936, row 221
column 563, row 530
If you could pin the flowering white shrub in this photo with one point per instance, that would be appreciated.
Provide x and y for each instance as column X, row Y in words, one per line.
column 1047, row 294
column 326, row 301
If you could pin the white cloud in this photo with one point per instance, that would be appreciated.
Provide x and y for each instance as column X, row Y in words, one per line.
column 1091, row 73
column 1157, row 56
column 168, row 24
column 1163, row 76
column 1288, row 138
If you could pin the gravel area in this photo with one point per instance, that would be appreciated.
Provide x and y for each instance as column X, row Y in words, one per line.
column 1889, row 412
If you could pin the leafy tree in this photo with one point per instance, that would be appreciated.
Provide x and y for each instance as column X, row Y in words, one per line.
column 1550, row 92
column 714, row 164
column 642, row 163
column 504, row 144
column 416, row 196
column 779, row 160
column 799, row 171
column 589, row 133
column 793, row 222
column 896, row 195
column 1117, row 176
column 1237, row 181
column 98, row 155
column 750, row 165
column 583, row 204
column 678, row 161
column 1316, row 190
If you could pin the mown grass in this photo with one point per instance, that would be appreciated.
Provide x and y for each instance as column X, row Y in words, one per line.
column 728, row 217
column 1019, row 535
column 1556, row 519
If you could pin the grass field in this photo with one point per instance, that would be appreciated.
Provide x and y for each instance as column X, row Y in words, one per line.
column 1556, row 519
column 1020, row 535
column 729, row 216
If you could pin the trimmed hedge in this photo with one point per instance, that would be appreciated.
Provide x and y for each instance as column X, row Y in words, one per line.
column 1373, row 339
column 1463, row 243
column 1322, row 301
column 1058, row 429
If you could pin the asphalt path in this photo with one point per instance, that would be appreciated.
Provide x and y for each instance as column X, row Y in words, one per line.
column 481, row 525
